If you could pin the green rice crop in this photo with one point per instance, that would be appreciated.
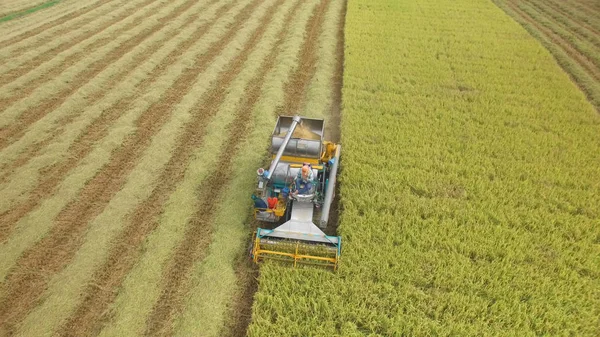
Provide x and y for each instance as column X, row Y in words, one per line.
column 470, row 186
column 28, row 11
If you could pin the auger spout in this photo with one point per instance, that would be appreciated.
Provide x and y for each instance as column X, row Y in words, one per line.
column 295, row 120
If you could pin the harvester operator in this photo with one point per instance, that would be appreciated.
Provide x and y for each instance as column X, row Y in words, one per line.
column 304, row 180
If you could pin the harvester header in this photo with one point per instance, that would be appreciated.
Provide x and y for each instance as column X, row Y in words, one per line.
column 295, row 192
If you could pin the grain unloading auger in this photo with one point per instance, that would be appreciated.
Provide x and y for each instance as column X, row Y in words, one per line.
column 297, row 189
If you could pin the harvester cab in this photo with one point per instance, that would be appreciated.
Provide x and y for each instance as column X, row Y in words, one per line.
column 295, row 192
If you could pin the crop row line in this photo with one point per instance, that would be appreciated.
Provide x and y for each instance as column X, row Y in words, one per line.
column 95, row 195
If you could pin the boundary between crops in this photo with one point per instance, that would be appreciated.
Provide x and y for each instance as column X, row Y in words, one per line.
column 577, row 72
column 27, row 11
column 246, row 272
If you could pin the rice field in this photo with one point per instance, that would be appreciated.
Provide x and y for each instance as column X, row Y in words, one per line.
column 570, row 30
column 469, row 189
column 130, row 132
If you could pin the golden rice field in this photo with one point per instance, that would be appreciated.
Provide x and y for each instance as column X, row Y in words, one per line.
column 470, row 190
column 130, row 132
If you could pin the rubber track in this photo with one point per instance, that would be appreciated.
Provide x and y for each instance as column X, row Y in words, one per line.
column 30, row 65
column 16, row 130
column 27, row 280
column 54, row 23
column 83, row 145
column 198, row 231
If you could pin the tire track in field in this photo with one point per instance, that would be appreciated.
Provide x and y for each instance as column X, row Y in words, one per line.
column 83, row 145
column 73, row 26
column 47, row 55
column 580, row 59
column 198, row 231
column 56, row 22
column 591, row 7
column 12, row 132
column 577, row 14
column 34, row 149
column 549, row 14
column 335, row 116
column 295, row 89
column 246, row 272
column 19, row 10
column 22, row 159
column 145, row 218
column 26, row 281
column 560, row 11
column 246, row 275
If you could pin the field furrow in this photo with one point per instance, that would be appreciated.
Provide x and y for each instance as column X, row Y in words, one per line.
column 63, row 20
column 58, row 37
column 583, row 72
column 124, row 252
column 197, row 232
column 581, row 30
column 295, row 90
column 323, row 94
column 37, row 223
column 14, row 11
column 74, row 148
column 578, row 13
column 589, row 6
column 51, row 95
column 237, row 282
column 32, row 66
column 580, row 46
column 199, row 228
column 18, row 151
column 56, row 250
column 107, row 225
column 14, row 27
column 569, row 21
column 139, row 292
column 558, row 41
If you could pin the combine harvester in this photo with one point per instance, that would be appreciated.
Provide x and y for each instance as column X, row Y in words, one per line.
column 298, row 190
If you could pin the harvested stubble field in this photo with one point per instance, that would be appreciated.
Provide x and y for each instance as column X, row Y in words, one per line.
column 469, row 191
column 130, row 132
column 570, row 30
